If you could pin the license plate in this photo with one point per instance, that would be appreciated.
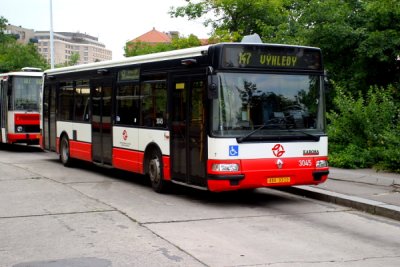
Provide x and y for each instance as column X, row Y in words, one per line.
column 278, row 180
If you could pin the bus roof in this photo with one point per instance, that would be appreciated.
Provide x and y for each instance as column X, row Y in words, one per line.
column 174, row 54
column 22, row 73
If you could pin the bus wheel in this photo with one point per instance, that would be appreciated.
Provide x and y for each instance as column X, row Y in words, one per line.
column 64, row 152
column 155, row 172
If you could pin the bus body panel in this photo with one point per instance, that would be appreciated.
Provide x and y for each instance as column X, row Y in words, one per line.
column 131, row 160
column 83, row 131
column 80, row 139
column 140, row 138
column 130, row 144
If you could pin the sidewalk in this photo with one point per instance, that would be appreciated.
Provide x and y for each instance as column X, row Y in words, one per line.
column 362, row 189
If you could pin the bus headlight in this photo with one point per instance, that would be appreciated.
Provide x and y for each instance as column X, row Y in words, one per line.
column 321, row 164
column 20, row 129
column 225, row 167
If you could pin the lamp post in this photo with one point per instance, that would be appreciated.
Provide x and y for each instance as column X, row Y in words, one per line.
column 51, row 36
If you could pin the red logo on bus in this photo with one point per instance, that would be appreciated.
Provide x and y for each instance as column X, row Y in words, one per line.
column 278, row 150
column 125, row 135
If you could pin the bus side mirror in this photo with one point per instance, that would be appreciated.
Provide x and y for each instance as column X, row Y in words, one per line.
column 212, row 87
column 327, row 83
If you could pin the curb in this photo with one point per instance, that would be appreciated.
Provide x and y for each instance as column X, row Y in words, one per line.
column 362, row 204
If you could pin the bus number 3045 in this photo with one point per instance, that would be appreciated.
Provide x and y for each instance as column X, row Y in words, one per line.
column 305, row 163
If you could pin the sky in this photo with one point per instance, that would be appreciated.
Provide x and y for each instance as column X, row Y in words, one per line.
column 114, row 22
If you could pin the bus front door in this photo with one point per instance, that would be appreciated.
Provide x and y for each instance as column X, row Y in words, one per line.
column 101, row 92
column 188, row 136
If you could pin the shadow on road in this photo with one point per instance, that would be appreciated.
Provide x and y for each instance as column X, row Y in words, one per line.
column 251, row 198
column 21, row 148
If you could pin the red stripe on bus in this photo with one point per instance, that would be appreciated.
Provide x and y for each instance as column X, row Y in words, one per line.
column 58, row 145
column 80, row 150
column 26, row 119
column 167, row 168
column 133, row 161
column 12, row 138
column 128, row 160
column 266, row 173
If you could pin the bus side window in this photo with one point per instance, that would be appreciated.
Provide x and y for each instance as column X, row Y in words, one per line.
column 66, row 102
column 82, row 92
column 127, row 110
column 154, row 104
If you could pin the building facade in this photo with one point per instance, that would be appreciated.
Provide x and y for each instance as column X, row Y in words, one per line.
column 23, row 35
column 67, row 43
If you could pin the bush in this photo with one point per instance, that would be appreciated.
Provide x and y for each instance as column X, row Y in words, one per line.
column 364, row 132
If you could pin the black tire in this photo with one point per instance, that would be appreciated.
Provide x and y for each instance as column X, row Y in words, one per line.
column 64, row 152
column 155, row 172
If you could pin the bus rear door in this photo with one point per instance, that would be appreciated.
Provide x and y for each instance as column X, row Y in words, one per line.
column 101, row 92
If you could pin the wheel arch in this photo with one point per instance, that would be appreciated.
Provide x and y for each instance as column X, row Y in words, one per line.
column 149, row 148
column 62, row 135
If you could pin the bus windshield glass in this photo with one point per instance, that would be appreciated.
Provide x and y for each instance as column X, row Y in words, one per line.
column 26, row 93
column 261, row 106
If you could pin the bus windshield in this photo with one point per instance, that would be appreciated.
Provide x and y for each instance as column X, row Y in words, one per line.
column 26, row 93
column 258, row 106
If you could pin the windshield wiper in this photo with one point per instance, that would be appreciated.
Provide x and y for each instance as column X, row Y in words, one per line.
column 243, row 138
column 314, row 137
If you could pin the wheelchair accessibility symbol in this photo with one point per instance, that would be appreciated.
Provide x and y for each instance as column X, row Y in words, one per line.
column 233, row 151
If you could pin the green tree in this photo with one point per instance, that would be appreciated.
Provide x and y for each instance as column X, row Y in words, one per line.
column 232, row 19
column 73, row 60
column 360, row 40
column 14, row 56
column 365, row 131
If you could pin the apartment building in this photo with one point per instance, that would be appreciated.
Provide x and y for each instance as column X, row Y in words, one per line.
column 67, row 43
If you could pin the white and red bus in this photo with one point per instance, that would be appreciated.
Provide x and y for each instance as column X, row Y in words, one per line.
column 220, row 117
column 19, row 106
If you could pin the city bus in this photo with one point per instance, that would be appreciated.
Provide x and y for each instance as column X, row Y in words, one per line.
column 19, row 106
column 220, row 117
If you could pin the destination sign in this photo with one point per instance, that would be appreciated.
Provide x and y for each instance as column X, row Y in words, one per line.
column 272, row 57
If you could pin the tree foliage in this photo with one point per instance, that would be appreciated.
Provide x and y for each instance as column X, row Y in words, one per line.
column 365, row 130
column 73, row 60
column 14, row 56
column 360, row 40
column 232, row 19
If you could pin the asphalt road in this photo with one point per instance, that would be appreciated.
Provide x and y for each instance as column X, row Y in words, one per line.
column 54, row 216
